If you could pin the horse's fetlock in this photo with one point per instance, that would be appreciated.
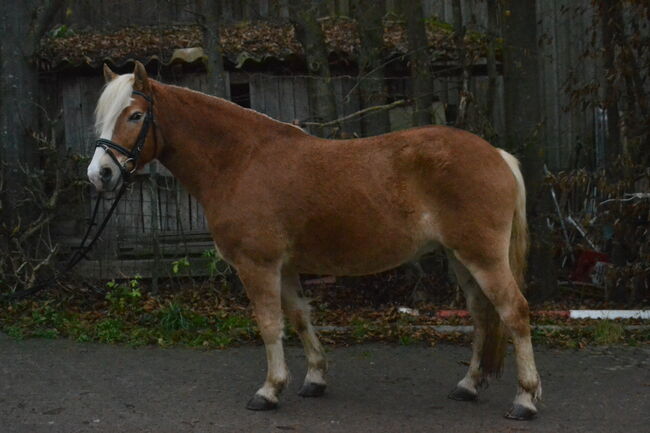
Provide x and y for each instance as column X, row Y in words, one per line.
column 321, row 365
column 532, row 387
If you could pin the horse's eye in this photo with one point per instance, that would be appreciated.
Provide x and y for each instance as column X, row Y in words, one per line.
column 136, row 116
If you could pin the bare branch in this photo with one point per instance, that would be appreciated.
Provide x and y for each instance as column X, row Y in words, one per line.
column 357, row 114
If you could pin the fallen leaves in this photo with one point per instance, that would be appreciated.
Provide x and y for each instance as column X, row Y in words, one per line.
column 256, row 41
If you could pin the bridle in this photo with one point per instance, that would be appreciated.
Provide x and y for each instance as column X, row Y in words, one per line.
column 132, row 155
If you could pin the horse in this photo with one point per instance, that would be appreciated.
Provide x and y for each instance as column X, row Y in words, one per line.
column 280, row 203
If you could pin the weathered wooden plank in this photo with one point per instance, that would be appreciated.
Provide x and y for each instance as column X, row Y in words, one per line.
column 564, row 55
column 263, row 8
column 90, row 88
column 549, row 82
column 199, row 216
column 285, row 98
column 146, row 268
column 185, row 211
column 348, row 102
column 588, row 76
column 270, row 85
column 72, row 115
column 499, row 108
column 337, row 83
column 301, row 98
column 168, row 204
column 257, row 93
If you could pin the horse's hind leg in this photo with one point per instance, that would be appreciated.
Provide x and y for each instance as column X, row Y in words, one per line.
column 297, row 309
column 489, row 342
column 498, row 284
column 262, row 286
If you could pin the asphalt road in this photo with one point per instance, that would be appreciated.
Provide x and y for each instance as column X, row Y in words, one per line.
column 63, row 386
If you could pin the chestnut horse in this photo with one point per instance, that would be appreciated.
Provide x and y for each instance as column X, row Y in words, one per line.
column 280, row 202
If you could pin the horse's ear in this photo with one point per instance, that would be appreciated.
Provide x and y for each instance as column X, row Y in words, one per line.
column 109, row 75
column 141, row 82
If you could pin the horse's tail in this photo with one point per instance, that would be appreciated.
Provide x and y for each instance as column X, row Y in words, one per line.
column 519, row 234
column 496, row 337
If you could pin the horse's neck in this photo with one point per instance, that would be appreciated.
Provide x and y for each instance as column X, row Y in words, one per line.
column 206, row 140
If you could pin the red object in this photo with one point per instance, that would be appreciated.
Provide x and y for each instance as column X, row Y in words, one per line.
column 552, row 313
column 445, row 314
column 585, row 264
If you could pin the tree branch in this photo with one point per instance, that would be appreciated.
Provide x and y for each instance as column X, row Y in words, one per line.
column 356, row 114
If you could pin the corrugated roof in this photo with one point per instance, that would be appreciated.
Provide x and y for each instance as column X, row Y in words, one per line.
column 241, row 43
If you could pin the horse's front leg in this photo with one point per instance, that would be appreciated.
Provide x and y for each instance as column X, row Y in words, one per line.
column 262, row 284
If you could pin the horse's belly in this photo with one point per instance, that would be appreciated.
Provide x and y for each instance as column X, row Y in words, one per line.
column 362, row 250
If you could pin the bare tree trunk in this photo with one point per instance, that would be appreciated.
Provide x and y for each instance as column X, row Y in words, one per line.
column 22, row 25
column 521, row 83
column 420, row 62
column 210, row 18
column 522, row 113
column 459, row 40
column 492, row 32
column 369, row 15
column 303, row 15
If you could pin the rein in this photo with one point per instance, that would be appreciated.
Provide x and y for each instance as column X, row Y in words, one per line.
column 132, row 157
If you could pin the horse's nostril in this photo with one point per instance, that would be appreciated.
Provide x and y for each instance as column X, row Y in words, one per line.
column 106, row 173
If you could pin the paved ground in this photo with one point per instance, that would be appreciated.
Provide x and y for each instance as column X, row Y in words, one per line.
column 62, row 386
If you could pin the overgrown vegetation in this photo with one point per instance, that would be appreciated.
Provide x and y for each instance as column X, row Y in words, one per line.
column 127, row 313
column 604, row 211
column 49, row 185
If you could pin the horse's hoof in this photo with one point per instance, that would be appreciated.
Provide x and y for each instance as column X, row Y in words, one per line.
column 259, row 402
column 463, row 394
column 310, row 389
column 521, row 413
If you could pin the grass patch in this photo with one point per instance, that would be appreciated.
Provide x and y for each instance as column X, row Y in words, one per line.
column 608, row 332
column 592, row 332
column 128, row 315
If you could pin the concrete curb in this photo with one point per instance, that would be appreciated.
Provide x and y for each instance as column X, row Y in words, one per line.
column 562, row 314
column 464, row 329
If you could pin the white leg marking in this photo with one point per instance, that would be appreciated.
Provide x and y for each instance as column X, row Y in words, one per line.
column 277, row 374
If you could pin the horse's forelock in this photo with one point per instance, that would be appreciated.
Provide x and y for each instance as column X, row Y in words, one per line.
column 115, row 97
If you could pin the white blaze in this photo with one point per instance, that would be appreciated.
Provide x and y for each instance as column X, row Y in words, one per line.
column 113, row 100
